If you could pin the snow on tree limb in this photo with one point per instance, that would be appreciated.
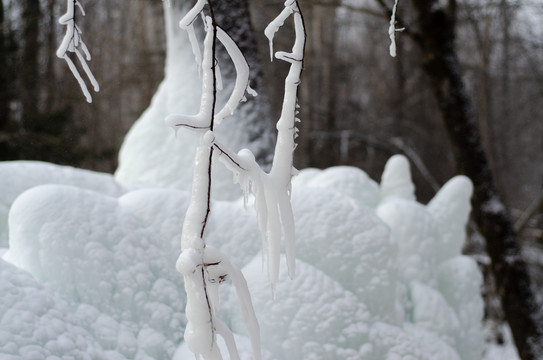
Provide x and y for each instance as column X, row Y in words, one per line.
column 203, row 266
column 392, row 30
column 73, row 42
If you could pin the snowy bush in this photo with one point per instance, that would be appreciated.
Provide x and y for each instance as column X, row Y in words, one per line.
column 90, row 269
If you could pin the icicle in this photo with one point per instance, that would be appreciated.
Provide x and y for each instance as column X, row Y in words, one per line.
column 276, row 23
column 251, row 91
column 218, row 77
column 194, row 44
column 287, row 220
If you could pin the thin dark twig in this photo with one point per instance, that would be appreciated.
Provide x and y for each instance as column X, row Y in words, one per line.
column 229, row 157
column 210, row 164
column 192, row 126
column 208, row 307
column 211, row 120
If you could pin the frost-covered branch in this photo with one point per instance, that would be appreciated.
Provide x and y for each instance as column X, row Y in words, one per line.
column 203, row 266
column 392, row 30
column 397, row 24
column 73, row 42
column 278, row 182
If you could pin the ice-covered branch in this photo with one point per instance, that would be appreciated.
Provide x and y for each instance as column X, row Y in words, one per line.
column 278, row 190
column 242, row 76
column 73, row 42
column 202, row 266
column 392, row 30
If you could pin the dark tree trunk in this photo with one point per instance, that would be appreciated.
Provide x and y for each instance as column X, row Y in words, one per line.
column 5, row 83
column 436, row 41
column 233, row 17
column 30, row 62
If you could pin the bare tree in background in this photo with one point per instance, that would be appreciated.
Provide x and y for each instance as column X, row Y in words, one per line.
column 435, row 38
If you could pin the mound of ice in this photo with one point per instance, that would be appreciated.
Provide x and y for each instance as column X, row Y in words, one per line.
column 18, row 176
column 100, row 251
column 36, row 324
column 379, row 276
column 366, row 290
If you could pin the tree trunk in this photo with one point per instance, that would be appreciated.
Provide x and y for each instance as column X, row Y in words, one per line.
column 30, row 62
column 436, row 40
column 4, row 75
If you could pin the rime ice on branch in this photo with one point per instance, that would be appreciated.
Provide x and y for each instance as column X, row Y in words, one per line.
column 73, row 42
column 203, row 266
column 392, row 30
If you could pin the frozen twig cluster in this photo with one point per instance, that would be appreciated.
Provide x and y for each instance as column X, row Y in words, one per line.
column 202, row 265
column 73, row 42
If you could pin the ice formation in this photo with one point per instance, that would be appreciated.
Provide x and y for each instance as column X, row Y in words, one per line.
column 379, row 275
column 149, row 142
column 73, row 43
column 90, row 271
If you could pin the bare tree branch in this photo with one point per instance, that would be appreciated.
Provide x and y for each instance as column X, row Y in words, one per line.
column 528, row 213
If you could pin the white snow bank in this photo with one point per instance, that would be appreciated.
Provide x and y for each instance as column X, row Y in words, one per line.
column 378, row 276
column 98, row 251
column 18, row 176
column 348, row 242
column 313, row 316
column 36, row 324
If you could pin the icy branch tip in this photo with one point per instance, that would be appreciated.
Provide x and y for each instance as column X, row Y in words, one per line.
column 274, row 26
column 72, row 42
column 189, row 18
column 392, row 30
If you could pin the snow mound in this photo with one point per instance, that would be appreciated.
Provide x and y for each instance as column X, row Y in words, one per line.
column 92, row 250
column 348, row 242
column 378, row 276
column 36, row 324
column 18, row 176
column 312, row 316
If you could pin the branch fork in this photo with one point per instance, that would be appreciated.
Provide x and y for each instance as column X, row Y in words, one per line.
column 202, row 265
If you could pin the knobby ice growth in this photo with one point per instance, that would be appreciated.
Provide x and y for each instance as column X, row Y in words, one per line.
column 73, row 42
column 202, row 265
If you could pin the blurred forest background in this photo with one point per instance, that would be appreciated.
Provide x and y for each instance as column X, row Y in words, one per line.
column 359, row 106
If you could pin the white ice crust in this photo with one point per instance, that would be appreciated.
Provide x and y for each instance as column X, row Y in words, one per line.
column 93, row 272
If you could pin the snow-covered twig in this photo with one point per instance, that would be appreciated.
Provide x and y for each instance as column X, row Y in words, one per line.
column 73, row 42
column 392, row 30
column 201, row 264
